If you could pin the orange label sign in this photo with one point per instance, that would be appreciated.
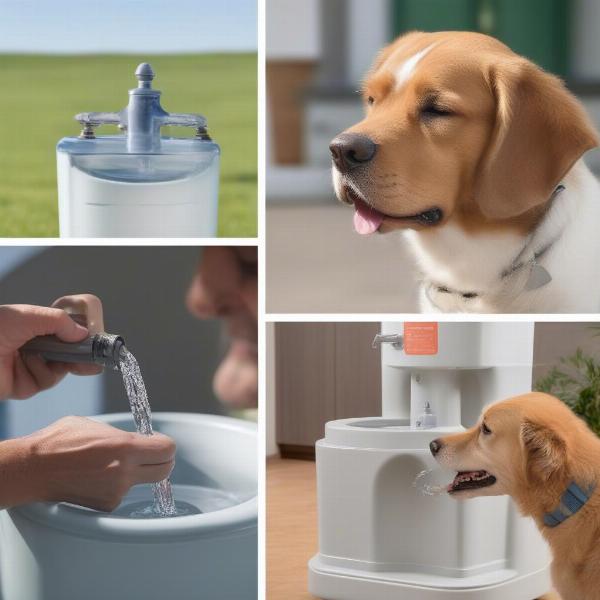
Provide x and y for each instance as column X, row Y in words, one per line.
column 420, row 338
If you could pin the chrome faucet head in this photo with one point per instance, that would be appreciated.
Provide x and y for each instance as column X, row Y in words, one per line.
column 142, row 119
column 145, row 75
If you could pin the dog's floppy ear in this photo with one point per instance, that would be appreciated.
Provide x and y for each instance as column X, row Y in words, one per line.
column 540, row 131
column 545, row 452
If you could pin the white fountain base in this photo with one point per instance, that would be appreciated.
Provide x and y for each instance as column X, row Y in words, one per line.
column 62, row 552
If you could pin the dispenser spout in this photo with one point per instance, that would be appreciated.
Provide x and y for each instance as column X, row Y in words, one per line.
column 101, row 348
column 395, row 339
column 143, row 117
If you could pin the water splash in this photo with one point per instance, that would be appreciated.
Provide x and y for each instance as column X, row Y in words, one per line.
column 191, row 500
column 428, row 482
column 143, row 510
column 164, row 505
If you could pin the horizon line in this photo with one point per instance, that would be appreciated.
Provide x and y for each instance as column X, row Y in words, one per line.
column 124, row 53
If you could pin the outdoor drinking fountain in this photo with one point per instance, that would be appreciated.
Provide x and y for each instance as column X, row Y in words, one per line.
column 138, row 183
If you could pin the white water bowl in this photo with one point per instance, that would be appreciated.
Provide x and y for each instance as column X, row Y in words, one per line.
column 63, row 552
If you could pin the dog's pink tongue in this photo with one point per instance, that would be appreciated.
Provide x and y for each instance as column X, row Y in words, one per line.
column 366, row 219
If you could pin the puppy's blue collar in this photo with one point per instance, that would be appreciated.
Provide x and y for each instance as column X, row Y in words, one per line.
column 571, row 502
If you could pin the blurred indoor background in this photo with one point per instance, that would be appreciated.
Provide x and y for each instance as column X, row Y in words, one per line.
column 346, row 378
column 317, row 53
column 143, row 293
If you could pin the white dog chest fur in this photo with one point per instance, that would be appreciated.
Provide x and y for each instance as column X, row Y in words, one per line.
column 468, row 263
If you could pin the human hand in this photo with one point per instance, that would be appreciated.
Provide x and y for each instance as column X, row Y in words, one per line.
column 23, row 375
column 82, row 461
column 226, row 286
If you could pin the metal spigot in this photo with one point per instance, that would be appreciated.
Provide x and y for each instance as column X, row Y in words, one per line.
column 144, row 74
column 395, row 339
column 87, row 130
column 202, row 134
column 143, row 117
column 89, row 122
column 101, row 348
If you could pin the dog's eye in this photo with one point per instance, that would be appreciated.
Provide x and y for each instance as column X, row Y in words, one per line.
column 370, row 100
column 432, row 110
column 485, row 429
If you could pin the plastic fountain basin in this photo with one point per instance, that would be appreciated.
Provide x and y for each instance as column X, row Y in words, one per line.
column 59, row 551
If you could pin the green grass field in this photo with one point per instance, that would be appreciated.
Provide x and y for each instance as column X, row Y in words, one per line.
column 41, row 94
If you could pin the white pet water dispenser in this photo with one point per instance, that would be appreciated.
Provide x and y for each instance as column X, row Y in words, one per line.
column 138, row 184
column 379, row 537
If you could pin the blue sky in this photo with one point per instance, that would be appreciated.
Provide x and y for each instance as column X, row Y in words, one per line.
column 128, row 26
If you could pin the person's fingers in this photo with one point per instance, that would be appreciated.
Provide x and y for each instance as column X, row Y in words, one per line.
column 84, row 368
column 87, row 306
column 42, row 374
column 24, row 322
column 153, row 473
column 23, row 383
column 32, row 374
column 75, row 368
column 43, row 320
column 59, row 368
column 153, row 449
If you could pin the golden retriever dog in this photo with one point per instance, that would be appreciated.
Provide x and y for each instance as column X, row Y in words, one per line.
column 534, row 449
column 474, row 153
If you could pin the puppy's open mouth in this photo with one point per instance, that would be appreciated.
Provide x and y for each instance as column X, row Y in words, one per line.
column 471, row 480
column 368, row 219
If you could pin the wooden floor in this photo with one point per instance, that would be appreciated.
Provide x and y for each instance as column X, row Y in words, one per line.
column 292, row 528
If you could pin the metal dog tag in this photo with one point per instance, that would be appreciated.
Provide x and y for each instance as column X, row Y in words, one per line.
column 538, row 277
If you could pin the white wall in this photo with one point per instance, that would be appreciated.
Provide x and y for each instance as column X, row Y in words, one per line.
column 293, row 30
column 370, row 29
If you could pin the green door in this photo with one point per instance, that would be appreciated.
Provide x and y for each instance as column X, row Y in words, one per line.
column 538, row 29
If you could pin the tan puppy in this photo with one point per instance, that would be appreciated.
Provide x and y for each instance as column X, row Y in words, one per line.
column 533, row 448
column 463, row 147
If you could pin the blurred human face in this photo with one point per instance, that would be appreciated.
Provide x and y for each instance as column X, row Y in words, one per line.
column 225, row 286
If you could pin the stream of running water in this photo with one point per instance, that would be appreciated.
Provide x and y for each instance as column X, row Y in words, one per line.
column 164, row 505
column 431, row 482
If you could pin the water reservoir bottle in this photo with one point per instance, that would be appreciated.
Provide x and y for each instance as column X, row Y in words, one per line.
column 138, row 183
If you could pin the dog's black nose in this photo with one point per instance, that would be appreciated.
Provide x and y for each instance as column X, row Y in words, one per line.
column 435, row 446
column 351, row 150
